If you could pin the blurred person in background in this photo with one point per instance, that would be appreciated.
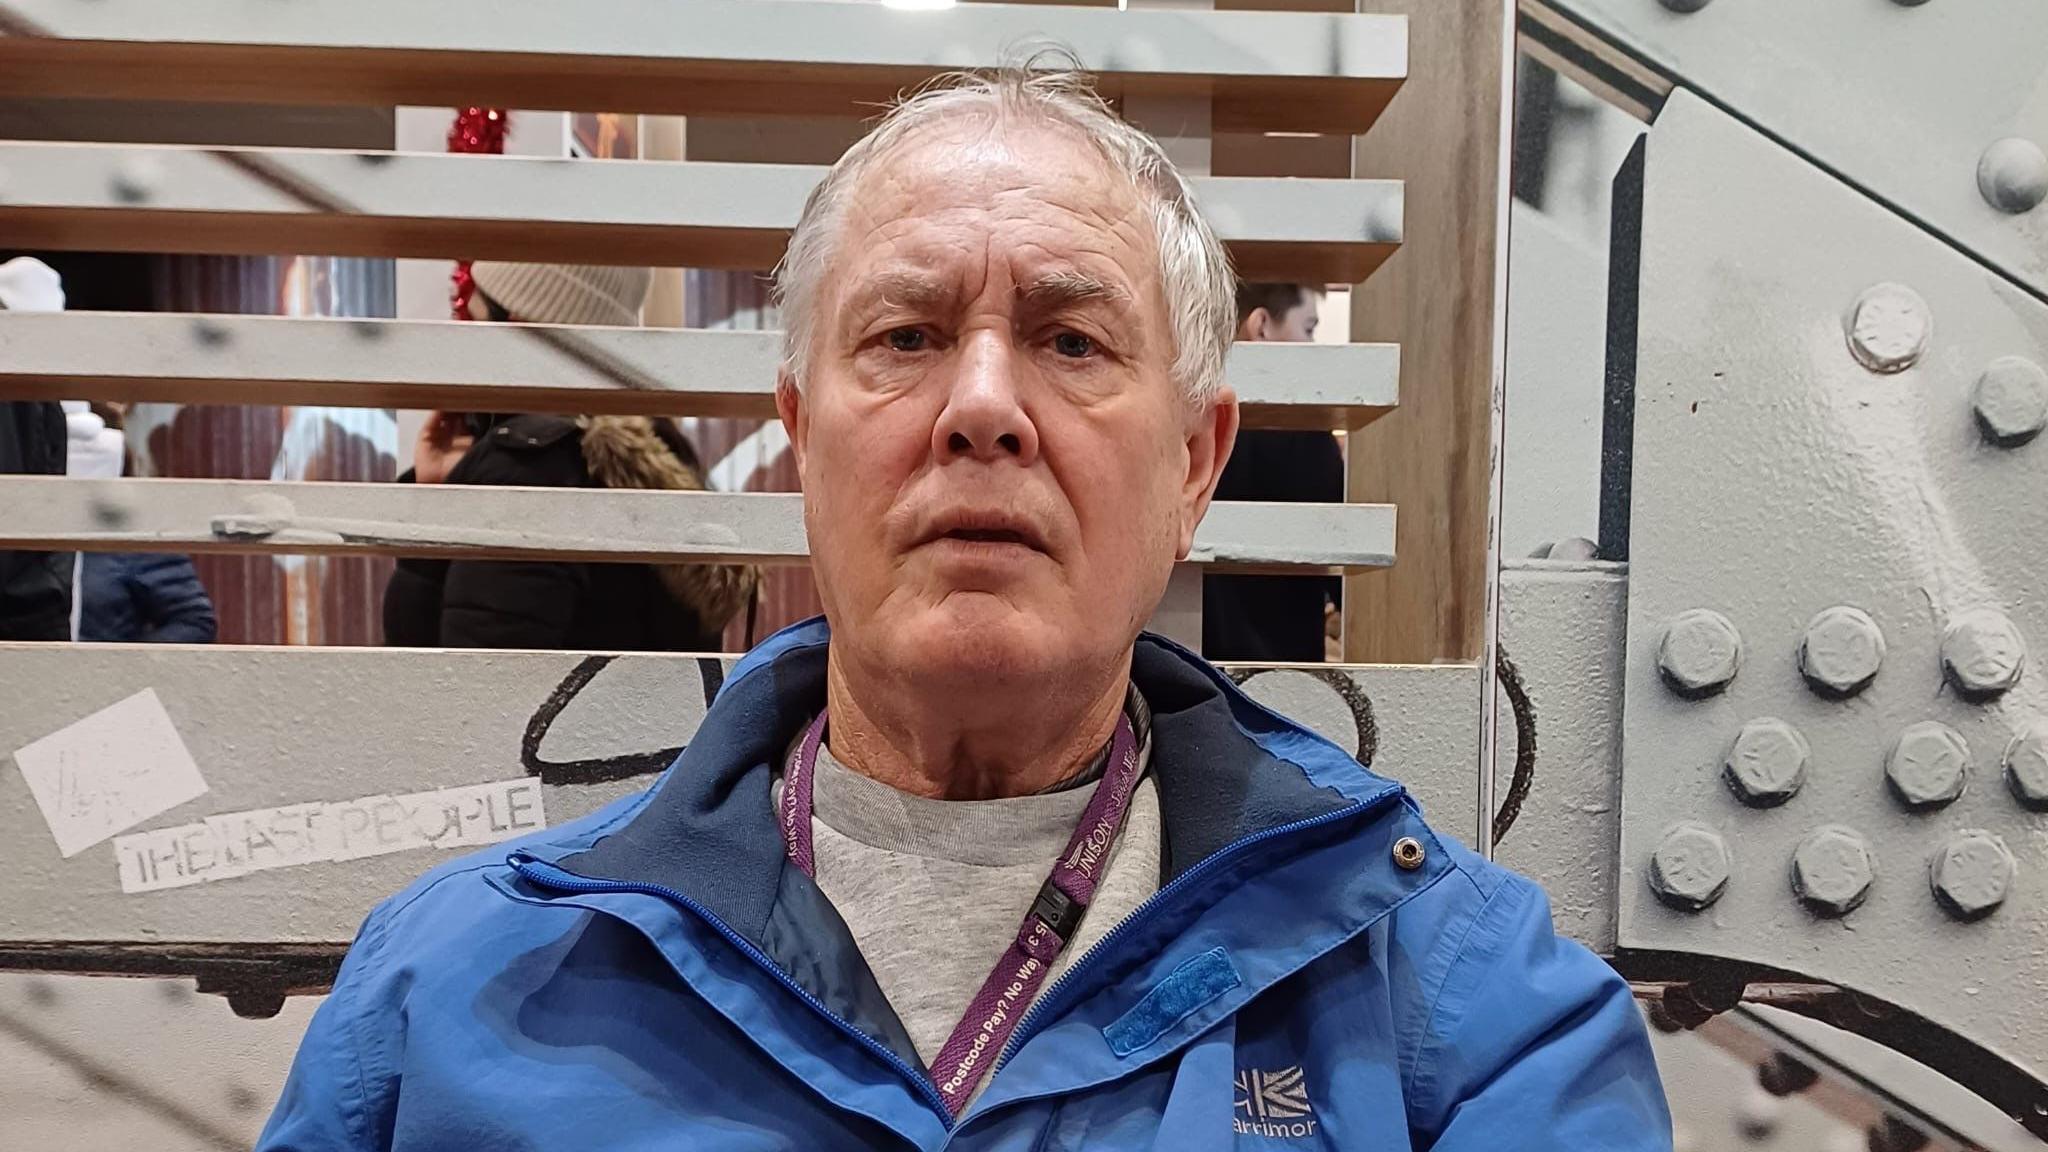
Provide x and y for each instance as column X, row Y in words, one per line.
column 128, row 597
column 560, row 604
column 35, row 587
column 1275, row 619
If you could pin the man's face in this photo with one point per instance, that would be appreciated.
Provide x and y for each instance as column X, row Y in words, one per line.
column 1296, row 325
column 998, row 471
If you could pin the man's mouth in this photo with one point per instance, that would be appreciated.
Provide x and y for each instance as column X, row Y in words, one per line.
column 988, row 536
column 986, row 528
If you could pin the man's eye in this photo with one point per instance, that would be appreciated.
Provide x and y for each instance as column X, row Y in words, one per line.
column 907, row 339
column 1072, row 344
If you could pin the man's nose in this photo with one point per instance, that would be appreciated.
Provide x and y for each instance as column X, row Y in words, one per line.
column 984, row 418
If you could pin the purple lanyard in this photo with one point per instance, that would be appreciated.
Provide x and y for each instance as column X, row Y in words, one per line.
column 1062, row 900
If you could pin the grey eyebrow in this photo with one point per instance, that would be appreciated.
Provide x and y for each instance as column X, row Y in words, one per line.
column 902, row 288
column 1067, row 286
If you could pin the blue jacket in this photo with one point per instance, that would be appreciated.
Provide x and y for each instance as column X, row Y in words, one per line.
column 656, row 976
column 130, row 596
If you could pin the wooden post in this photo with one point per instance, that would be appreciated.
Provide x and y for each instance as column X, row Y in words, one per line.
column 1436, row 295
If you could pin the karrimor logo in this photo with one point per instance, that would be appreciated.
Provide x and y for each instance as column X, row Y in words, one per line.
column 1273, row 1103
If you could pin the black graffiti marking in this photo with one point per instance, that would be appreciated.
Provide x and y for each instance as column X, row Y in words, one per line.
column 1347, row 689
column 1525, row 742
column 600, row 769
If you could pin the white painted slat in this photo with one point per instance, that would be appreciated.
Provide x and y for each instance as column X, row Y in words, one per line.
column 469, row 522
column 162, row 198
column 218, row 359
column 1309, row 72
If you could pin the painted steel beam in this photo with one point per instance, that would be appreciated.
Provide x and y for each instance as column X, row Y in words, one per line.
column 161, row 198
column 455, row 521
column 272, row 731
column 219, row 359
column 1305, row 72
column 1938, row 110
column 1841, row 772
column 1562, row 625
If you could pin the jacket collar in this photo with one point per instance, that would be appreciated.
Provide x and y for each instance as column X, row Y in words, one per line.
column 1226, row 769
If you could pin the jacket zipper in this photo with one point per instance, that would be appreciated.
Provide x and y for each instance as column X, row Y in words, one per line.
column 1047, row 1002
column 549, row 876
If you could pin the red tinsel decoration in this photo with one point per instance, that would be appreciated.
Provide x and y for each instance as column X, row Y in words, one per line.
column 477, row 130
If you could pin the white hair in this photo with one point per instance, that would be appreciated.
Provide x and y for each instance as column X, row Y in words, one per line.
column 1194, row 272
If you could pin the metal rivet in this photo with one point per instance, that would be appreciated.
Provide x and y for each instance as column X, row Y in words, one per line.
column 1841, row 652
column 1683, row 6
column 2026, row 766
column 135, row 180
column 1767, row 762
column 2013, row 175
column 1700, row 653
column 1689, row 868
column 1831, row 870
column 1888, row 327
column 1408, row 853
column 2011, row 401
column 1927, row 765
column 1982, row 653
column 1971, row 874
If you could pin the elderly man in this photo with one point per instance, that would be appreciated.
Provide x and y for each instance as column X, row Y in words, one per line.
column 978, row 865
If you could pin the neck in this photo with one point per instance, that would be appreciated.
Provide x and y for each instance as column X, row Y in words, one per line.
column 944, row 747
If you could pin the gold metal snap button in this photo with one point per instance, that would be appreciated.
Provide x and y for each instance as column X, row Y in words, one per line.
column 1408, row 853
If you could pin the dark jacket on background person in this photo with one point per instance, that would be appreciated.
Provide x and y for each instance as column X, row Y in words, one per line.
column 143, row 596
column 569, row 605
column 1273, row 618
column 35, row 587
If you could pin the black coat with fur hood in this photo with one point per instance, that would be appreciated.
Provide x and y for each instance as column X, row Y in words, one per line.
column 605, row 607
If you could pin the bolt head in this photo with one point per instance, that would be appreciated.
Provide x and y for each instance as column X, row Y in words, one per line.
column 2012, row 175
column 1689, row 868
column 1927, row 765
column 1841, row 652
column 1767, row 762
column 2026, row 766
column 1982, row 653
column 1832, row 870
column 1971, row 874
column 2011, row 401
column 1888, row 327
column 1700, row 653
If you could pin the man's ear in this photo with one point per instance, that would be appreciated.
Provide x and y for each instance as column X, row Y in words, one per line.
column 1212, row 433
column 1254, row 325
column 796, row 420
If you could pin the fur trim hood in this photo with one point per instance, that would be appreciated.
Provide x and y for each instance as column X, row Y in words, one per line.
column 630, row 452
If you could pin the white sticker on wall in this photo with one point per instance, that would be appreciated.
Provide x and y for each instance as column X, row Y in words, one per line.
column 109, row 772
column 238, row 843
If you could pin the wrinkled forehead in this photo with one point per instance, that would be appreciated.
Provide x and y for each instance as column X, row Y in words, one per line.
column 1048, row 186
